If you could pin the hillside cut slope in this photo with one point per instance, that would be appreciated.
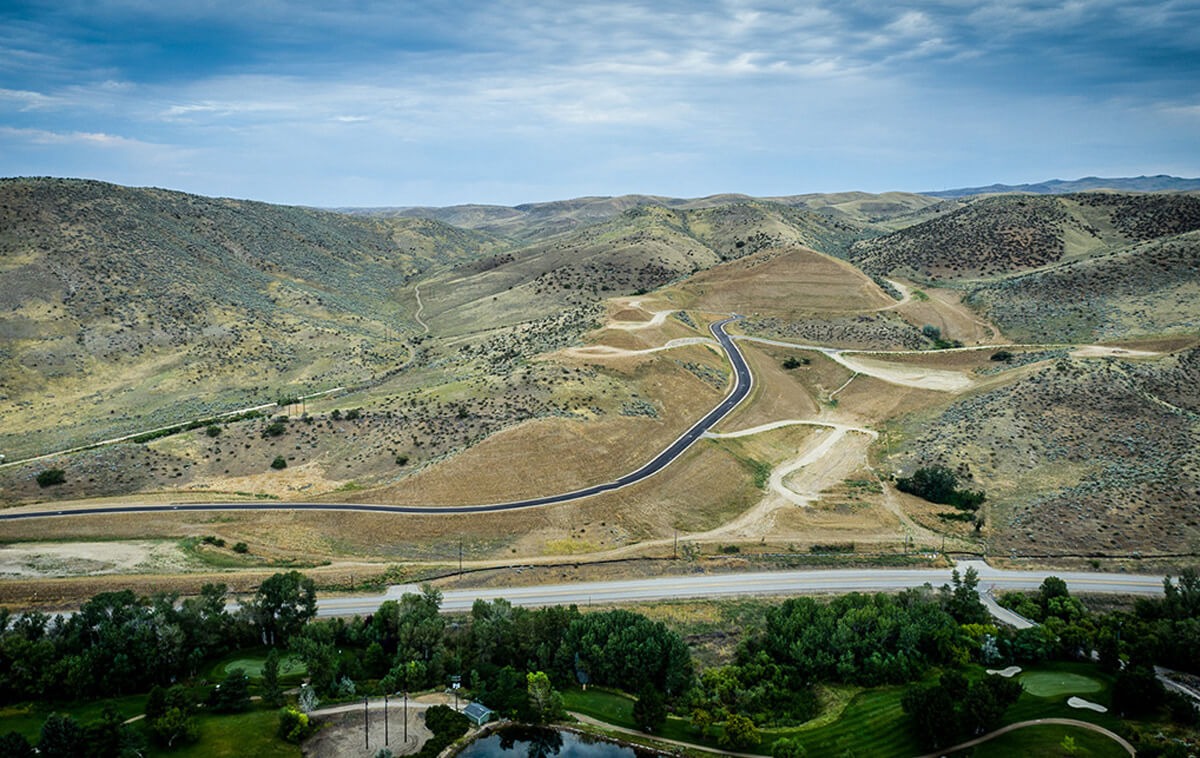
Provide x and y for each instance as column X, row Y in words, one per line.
column 125, row 308
column 640, row 249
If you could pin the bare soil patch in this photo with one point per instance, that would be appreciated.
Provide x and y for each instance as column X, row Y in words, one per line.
column 50, row 559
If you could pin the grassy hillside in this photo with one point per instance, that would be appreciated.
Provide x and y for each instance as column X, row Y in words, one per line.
column 1143, row 289
column 536, row 221
column 1078, row 455
column 998, row 235
column 127, row 308
column 636, row 251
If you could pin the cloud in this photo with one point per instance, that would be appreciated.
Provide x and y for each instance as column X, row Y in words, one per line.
column 467, row 94
column 93, row 139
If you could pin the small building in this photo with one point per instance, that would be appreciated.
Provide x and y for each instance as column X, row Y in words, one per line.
column 479, row 713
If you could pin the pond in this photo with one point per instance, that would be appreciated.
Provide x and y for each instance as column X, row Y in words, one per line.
column 532, row 742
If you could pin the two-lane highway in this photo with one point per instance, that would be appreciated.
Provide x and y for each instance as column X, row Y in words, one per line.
column 769, row 583
column 743, row 381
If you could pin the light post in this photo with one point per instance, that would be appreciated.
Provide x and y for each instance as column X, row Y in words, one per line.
column 406, row 717
column 386, row 735
column 367, row 722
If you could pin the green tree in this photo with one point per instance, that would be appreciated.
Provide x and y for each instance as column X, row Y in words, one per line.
column 156, row 703
column 962, row 598
column 105, row 736
column 284, row 603
column 272, row 691
column 788, row 748
column 1137, row 692
column 174, row 728
column 233, row 694
column 1068, row 745
column 406, row 677
column 739, row 733
column 14, row 745
column 212, row 430
column 61, row 737
column 279, row 463
column 545, row 704
column 1052, row 587
column 649, row 712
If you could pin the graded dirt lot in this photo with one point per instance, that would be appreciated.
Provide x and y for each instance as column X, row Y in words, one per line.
column 783, row 282
column 47, row 559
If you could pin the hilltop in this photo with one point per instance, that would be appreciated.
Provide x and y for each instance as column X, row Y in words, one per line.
column 1156, row 183
column 535, row 221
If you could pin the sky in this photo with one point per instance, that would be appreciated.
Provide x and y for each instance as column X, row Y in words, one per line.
column 442, row 102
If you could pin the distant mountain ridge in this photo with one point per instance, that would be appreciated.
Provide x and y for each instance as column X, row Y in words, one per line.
column 1156, row 183
column 536, row 221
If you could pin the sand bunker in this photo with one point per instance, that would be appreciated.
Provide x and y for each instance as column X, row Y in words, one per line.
column 1078, row 702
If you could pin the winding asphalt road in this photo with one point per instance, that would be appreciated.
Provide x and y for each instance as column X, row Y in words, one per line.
column 743, row 382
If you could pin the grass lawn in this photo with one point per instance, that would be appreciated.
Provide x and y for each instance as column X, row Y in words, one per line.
column 27, row 718
column 252, row 662
column 1053, row 683
column 872, row 724
column 1046, row 741
column 252, row 733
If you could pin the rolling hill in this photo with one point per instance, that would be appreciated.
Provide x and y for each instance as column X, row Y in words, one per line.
column 536, row 221
column 126, row 308
column 1009, row 233
column 1156, row 183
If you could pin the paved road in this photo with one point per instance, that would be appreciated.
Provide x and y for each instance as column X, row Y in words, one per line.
column 743, row 382
column 743, row 584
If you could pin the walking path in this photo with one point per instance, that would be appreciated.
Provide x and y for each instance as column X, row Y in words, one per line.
column 678, row 743
column 1036, row 722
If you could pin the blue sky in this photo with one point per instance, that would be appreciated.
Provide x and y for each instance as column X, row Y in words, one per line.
column 398, row 103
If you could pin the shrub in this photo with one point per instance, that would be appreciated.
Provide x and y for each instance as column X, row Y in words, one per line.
column 274, row 429
column 1002, row 356
column 279, row 462
column 51, row 477
column 791, row 362
column 294, row 726
column 401, row 460
column 212, row 430
column 729, row 549
column 241, row 547
column 938, row 484
column 739, row 732
column 353, row 413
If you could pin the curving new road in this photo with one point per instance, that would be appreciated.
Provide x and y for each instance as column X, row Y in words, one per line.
column 743, row 381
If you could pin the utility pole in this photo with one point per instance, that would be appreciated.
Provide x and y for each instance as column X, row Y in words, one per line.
column 675, row 547
column 386, row 736
column 460, row 543
column 406, row 717
column 367, row 722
